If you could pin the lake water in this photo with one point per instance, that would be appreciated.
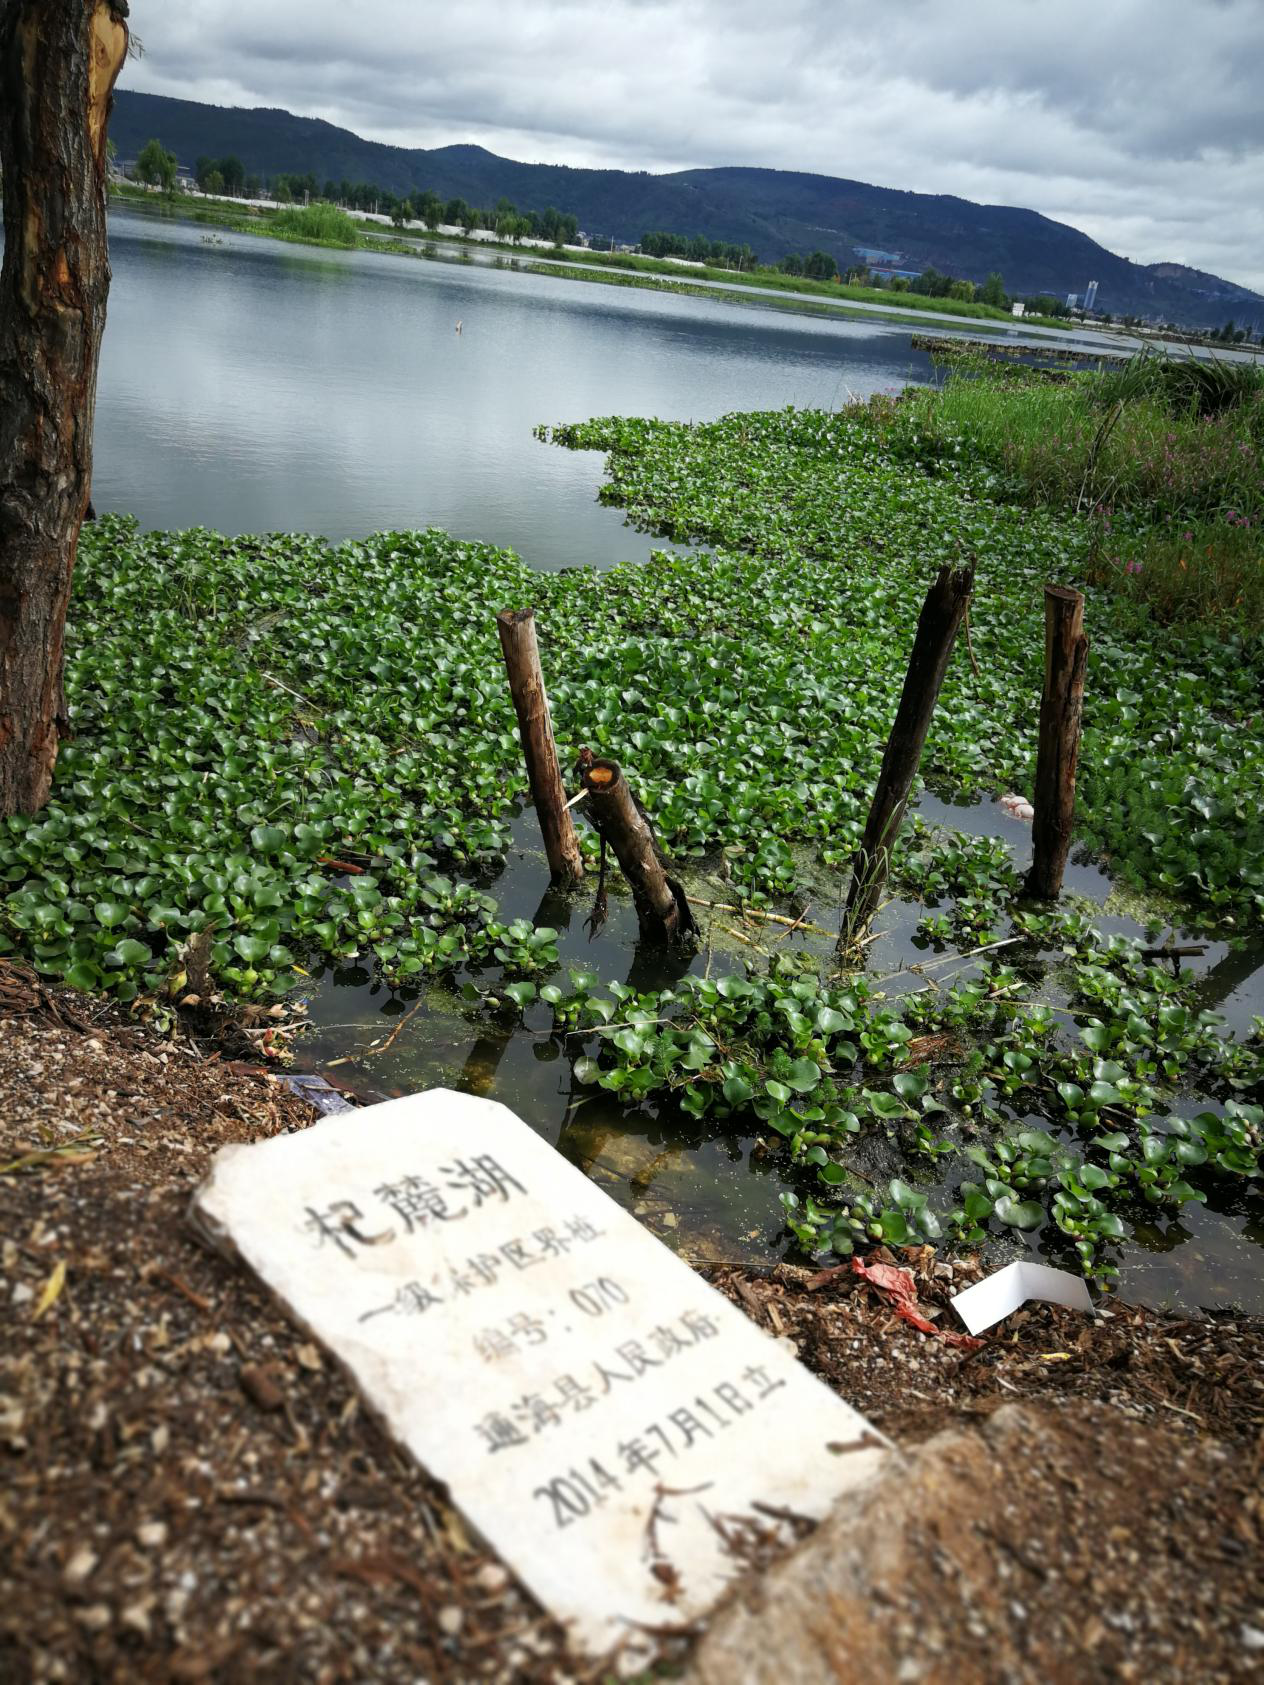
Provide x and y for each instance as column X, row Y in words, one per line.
column 249, row 385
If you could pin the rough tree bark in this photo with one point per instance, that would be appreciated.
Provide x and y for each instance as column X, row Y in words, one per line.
column 58, row 63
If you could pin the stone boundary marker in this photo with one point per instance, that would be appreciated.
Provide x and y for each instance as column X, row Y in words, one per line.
column 608, row 1422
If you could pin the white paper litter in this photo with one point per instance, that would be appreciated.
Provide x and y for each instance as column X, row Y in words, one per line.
column 1018, row 807
column 998, row 1295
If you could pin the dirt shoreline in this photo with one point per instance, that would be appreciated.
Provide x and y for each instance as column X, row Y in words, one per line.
column 190, row 1491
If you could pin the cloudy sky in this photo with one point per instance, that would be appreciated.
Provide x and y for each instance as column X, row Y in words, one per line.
column 1139, row 121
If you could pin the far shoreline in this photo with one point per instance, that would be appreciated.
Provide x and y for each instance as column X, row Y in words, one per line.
column 573, row 264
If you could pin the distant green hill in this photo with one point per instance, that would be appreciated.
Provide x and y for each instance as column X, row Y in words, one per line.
column 774, row 211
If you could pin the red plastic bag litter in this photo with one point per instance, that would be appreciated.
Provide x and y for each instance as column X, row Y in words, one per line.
column 899, row 1284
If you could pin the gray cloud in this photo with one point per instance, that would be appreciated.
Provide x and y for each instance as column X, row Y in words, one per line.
column 1138, row 121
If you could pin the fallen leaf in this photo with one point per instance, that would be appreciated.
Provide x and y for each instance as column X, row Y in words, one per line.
column 52, row 1289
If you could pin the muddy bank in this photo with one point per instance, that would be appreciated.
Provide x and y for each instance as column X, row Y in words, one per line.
column 190, row 1491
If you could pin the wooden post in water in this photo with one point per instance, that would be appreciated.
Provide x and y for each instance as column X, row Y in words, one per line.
column 937, row 627
column 661, row 908
column 535, row 727
column 1061, row 707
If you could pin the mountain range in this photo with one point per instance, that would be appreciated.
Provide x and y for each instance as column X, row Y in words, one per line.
column 773, row 211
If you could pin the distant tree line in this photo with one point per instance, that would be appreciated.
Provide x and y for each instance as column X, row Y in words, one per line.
column 228, row 175
column 423, row 205
column 721, row 254
column 219, row 176
column 1046, row 304
column 727, row 254
column 1231, row 334
column 933, row 283
column 426, row 206
column 157, row 167
column 823, row 266
column 816, row 266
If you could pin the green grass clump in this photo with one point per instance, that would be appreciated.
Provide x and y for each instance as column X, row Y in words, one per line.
column 1165, row 459
column 1066, row 446
column 320, row 223
column 1208, row 386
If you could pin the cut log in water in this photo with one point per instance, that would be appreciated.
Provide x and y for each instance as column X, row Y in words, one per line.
column 535, row 727
column 1061, row 707
column 661, row 907
column 937, row 628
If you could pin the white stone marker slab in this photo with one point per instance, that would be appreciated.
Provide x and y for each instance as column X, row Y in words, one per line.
column 590, row 1402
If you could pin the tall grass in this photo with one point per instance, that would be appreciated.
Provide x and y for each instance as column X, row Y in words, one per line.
column 1091, row 441
column 1164, row 459
column 1209, row 386
column 319, row 222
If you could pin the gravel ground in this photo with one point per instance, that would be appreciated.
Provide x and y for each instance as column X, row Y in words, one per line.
column 190, row 1492
column 1036, row 1545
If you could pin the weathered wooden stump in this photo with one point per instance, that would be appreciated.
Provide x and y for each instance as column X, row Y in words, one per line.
column 661, row 907
column 937, row 627
column 535, row 727
column 1061, row 709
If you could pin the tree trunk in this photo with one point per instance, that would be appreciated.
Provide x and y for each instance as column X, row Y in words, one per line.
column 58, row 64
column 535, row 727
column 662, row 910
column 937, row 627
column 1061, row 706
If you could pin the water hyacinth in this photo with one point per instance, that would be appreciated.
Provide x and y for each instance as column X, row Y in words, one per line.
column 271, row 773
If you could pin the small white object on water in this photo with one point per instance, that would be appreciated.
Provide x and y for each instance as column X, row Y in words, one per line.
column 1018, row 807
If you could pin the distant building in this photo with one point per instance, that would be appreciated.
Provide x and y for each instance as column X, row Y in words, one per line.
column 1018, row 307
column 892, row 274
column 1073, row 301
column 874, row 258
column 1090, row 295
